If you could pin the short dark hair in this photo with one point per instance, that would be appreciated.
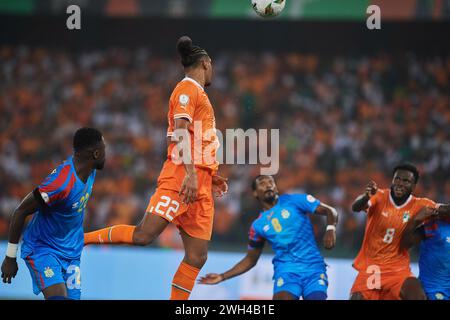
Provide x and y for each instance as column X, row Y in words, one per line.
column 189, row 53
column 407, row 166
column 256, row 179
column 85, row 138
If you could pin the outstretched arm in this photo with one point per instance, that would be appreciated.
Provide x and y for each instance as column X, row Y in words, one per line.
column 241, row 267
column 413, row 233
column 28, row 206
column 361, row 202
column 329, row 240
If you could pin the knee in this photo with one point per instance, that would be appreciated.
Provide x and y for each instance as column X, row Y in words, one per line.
column 142, row 238
column 197, row 260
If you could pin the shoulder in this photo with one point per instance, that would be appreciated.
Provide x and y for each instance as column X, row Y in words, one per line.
column 186, row 86
column 298, row 197
column 425, row 202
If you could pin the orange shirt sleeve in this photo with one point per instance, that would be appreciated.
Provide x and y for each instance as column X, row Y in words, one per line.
column 374, row 200
column 185, row 101
column 425, row 202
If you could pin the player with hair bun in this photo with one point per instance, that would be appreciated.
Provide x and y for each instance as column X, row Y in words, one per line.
column 184, row 191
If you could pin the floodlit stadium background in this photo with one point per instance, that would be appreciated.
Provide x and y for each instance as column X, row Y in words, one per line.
column 350, row 103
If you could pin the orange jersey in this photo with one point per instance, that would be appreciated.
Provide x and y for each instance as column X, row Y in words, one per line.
column 384, row 228
column 190, row 101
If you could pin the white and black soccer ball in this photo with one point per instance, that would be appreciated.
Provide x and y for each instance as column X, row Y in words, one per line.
column 268, row 8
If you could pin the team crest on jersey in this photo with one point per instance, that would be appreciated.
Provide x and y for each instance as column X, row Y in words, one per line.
column 285, row 214
column 75, row 205
column 48, row 272
column 280, row 282
column 439, row 296
column 323, row 276
column 406, row 217
column 310, row 198
column 321, row 282
column 184, row 100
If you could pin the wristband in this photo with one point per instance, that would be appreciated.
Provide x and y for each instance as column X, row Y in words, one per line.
column 11, row 250
column 331, row 227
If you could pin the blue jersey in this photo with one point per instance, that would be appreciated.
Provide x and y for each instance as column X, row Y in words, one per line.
column 57, row 227
column 434, row 261
column 289, row 231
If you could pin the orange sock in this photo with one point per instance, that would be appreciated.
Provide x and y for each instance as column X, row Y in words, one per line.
column 118, row 234
column 183, row 282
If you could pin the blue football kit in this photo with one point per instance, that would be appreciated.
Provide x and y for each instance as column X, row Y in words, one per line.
column 299, row 268
column 54, row 238
column 434, row 260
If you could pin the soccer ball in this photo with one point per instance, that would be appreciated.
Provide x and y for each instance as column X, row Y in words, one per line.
column 268, row 8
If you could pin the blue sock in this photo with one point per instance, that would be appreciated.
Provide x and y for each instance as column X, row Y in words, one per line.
column 316, row 295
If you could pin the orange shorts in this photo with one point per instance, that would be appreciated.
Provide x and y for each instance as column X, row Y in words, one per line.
column 196, row 219
column 388, row 287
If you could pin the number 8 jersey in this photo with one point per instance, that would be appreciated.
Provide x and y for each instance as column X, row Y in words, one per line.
column 384, row 228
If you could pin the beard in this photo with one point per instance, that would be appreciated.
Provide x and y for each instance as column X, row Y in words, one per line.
column 402, row 199
column 270, row 197
column 100, row 165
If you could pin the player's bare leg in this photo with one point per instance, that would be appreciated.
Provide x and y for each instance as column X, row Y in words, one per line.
column 196, row 253
column 412, row 290
column 356, row 296
column 196, row 250
column 149, row 229
column 283, row 295
column 58, row 290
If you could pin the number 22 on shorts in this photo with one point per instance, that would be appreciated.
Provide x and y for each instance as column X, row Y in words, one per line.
column 162, row 208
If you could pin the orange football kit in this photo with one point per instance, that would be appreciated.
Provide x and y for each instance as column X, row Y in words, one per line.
column 382, row 265
column 189, row 101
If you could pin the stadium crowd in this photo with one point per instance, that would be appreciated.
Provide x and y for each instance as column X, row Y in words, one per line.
column 343, row 120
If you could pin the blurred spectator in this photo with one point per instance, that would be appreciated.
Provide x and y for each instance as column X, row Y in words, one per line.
column 342, row 121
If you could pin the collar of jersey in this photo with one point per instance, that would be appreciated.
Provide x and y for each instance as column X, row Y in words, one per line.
column 193, row 81
column 401, row 206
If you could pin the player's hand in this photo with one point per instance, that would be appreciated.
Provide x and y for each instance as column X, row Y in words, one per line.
column 426, row 213
column 329, row 240
column 219, row 185
column 211, row 278
column 371, row 189
column 189, row 188
column 9, row 269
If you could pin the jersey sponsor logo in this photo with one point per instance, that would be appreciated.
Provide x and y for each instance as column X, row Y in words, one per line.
column 54, row 171
column 448, row 239
column 439, row 296
column 75, row 205
column 310, row 198
column 184, row 100
column 321, row 282
column 45, row 197
column 285, row 214
column 385, row 214
column 48, row 272
column 406, row 217
column 266, row 228
column 280, row 282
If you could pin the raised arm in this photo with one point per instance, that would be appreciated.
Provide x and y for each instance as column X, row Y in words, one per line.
column 329, row 240
column 361, row 202
column 29, row 205
column 248, row 262
column 413, row 233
